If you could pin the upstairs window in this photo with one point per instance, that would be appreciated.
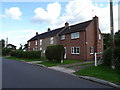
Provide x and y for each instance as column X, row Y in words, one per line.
column 28, row 43
column 36, row 42
column 75, row 50
column 40, row 48
column 51, row 40
column 62, row 37
column 91, row 50
column 40, row 41
column 75, row 35
column 99, row 36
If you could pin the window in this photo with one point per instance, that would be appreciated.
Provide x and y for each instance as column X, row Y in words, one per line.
column 62, row 37
column 40, row 49
column 99, row 36
column 40, row 41
column 91, row 50
column 74, row 35
column 36, row 42
column 51, row 40
column 43, row 51
column 28, row 43
column 35, row 48
column 75, row 50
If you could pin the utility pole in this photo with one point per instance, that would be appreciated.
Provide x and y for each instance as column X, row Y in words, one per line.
column 112, row 33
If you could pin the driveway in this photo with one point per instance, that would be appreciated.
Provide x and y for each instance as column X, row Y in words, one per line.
column 17, row 74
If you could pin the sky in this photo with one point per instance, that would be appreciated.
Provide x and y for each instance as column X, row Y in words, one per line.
column 19, row 21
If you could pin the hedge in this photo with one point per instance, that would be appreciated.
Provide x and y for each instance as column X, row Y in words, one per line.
column 55, row 53
column 107, row 57
column 6, row 51
column 26, row 54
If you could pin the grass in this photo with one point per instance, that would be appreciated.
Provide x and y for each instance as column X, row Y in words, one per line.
column 101, row 72
column 81, row 65
column 23, row 59
column 52, row 63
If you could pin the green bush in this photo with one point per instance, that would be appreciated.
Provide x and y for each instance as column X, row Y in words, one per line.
column 6, row 51
column 26, row 54
column 107, row 56
column 117, row 57
column 55, row 53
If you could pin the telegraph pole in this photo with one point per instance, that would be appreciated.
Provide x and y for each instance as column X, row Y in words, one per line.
column 112, row 33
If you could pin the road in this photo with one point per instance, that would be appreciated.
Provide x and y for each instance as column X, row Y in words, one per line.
column 17, row 74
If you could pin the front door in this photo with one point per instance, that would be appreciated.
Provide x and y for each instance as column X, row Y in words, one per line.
column 65, row 53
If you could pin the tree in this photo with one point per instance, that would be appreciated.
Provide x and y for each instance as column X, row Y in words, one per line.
column 25, row 47
column 2, row 43
column 117, row 39
column 106, row 40
column 11, row 46
column 21, row 47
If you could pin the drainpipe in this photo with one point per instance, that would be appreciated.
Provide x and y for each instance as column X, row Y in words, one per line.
column 85, row 46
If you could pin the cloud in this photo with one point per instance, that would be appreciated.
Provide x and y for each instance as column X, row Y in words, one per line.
column 77, row 11
column 13, row 12
column 50, row 15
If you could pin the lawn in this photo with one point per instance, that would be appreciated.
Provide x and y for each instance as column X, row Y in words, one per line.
column 23, row 59
column 52, row 63
column 101, row 72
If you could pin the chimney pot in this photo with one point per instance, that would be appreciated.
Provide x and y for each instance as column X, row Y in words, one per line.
column 36, row 33
column 48, row 29
column 66, row 24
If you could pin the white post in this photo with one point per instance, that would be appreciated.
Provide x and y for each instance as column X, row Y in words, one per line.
column 95, row 59
column 61, row 61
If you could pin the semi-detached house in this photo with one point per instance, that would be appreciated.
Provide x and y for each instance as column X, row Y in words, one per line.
column 80, row 41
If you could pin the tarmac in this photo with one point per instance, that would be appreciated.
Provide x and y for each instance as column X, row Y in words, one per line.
column 62, row 68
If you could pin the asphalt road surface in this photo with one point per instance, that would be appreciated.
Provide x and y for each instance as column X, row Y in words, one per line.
column 17, row 74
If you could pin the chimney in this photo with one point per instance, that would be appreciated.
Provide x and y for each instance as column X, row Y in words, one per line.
column 66, row 24
column 36, row 33
column 48, row 29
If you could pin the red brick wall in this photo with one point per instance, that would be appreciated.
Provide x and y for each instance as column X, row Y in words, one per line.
column 68, row 43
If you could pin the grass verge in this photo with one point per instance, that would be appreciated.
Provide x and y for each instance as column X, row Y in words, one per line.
column 23, row 59
column 52, row 63
column 101, row 72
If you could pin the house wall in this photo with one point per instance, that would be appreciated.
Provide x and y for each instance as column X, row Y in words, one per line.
column 92, row 39
column 68, row 43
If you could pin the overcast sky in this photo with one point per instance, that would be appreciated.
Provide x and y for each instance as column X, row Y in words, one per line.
column 21, row 20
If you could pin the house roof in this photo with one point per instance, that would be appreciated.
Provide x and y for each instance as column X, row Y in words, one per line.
column 46, row 34
column 70, row 29
column 77, row 27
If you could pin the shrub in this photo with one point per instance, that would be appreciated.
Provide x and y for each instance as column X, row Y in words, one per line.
column 117, row 57
column 6, row 51
column 107, row 56
column 26, row 54
column 55, row 52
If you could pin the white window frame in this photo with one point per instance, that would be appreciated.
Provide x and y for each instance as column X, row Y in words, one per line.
column 43, row 51
column 40, row 48
column 62, row 37
column 100, row 36
column 28, row 43
column 51, row 40
column 73, row 50
column 40, row 41
column 36, row 42
column 35, row 48
column 91, row 50
column 75, row 35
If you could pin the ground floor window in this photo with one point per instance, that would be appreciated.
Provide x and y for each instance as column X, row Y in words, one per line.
column 91, row 50
column 75, row 50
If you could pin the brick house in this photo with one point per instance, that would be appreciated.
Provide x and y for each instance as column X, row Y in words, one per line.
column 80, row 41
